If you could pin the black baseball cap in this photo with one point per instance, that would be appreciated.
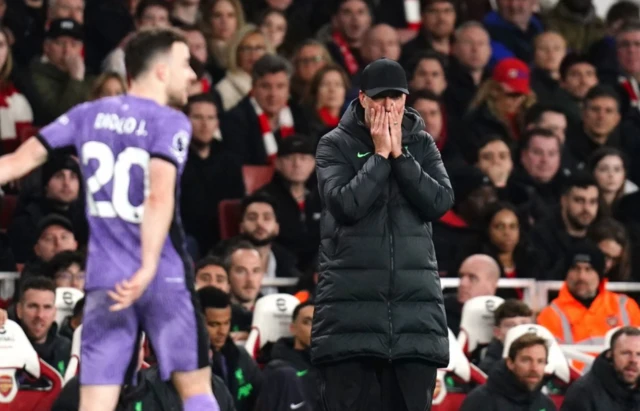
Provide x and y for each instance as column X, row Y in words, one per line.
column 383, row 75
column 296, row 144
column 54, row 219
column 65, row 27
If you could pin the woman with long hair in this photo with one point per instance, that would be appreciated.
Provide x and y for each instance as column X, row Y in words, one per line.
column 325, row 99
column 609, row 168
column 221, row 19
column 310, row 56
column 611, row 238
column 108, row 84
column 501, row 102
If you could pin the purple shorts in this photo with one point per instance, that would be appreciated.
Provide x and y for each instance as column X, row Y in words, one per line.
column 111, row 340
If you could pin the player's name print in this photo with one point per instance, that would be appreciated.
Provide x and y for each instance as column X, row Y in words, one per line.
column 120, row 125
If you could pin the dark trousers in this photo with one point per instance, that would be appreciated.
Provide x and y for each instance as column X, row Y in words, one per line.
column 371, row 384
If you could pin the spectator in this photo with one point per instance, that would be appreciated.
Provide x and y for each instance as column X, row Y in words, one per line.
column 459, row 226
column 54, row 234
column 262, row 120
column 73, row 321
column 210, row 175
column 308, row 59
column 59, row 79
column 577, row 76
column 629, row 65
column 436, row 33
column 380, row 41
column 513, row 28
column 212, row 272
column 107, row 85
column 509, row 314
column 492, row 156
column 295, row 351
column 149, row 393
column 612, row 382
column 585, row 310
column 611, row 238
column 479, row 274
column 36, row 312
column 350, row 21
column 246, row 47
column 221, row 20
column 325, row 99
column 609, row 167
column 467, row 69
column 184, row 12
column 67, row 9
column 231, row 363
column 577, row 22
column 426, row 73
column 501, row 102
column 516, row 382
column 554, row 235
column 273, row 25
column 15, row 111
column 60, row 195
column 294, row 190
column 550, row 49
column 66, row 269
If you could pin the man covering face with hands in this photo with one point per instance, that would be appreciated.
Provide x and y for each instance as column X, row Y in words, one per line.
column 379, row 317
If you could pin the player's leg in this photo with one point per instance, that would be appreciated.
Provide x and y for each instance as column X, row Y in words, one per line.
column 179, row 338
column 106, row 336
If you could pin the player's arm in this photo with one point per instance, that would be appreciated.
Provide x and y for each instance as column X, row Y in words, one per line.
column 29, row 155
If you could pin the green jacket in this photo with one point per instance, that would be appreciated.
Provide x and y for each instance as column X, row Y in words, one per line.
column 579, row 31
column 56, row 91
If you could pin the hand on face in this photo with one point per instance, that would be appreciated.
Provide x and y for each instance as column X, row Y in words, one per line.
column 395, row 125
column 380, row 131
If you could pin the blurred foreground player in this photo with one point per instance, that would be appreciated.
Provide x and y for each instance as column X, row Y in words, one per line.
column 132, row 151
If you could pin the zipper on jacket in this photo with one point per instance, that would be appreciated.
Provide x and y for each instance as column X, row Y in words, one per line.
column 392, row 274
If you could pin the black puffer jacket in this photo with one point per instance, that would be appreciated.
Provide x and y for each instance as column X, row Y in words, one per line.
column 379, row 292
column 601, row 389
column 503, row 392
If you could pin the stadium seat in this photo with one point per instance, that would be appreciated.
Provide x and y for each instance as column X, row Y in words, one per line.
column 17, row 356
column 255, row 177
column 66, row 299
column 229, row 215
column 476, row 324
column 271, row 320
column 9, row 202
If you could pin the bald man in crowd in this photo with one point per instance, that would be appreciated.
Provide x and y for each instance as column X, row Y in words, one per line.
column 479, row 276
column 380, row 41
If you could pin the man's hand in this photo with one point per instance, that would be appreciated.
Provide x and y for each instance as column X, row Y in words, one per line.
column 379, row 127
column 75, row 65
column 129, row 291
column 395, row 129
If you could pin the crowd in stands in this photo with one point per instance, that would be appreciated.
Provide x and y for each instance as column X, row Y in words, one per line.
column 534, row 106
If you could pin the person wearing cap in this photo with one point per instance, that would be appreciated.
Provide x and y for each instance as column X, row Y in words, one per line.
column 295, row 190
column 501, row 102
column 59, row 77
column 585, row 310
column 473, row 192
column 379, row 324
column 59, row 195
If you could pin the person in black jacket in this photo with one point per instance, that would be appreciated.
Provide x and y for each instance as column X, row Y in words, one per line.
column 515, row 384
column 230, row 362
column 379, row 330
column 612, row 383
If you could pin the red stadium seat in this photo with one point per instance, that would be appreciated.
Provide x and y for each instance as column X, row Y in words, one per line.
column 9, row 202
column 17, row 354
column 229, row 214
column 255, row 177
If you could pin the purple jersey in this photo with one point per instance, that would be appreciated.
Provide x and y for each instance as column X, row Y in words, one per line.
column 115, row 137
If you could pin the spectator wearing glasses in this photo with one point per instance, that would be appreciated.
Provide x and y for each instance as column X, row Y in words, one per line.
column 310, row 56
column 67, row 269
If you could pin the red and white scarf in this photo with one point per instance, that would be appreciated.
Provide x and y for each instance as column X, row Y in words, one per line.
column 412, row 14
column 630, row 85
column 349, row 60
column 285, row 120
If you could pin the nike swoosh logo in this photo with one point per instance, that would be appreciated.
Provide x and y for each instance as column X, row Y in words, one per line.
column 296, row 406
column 360, row 155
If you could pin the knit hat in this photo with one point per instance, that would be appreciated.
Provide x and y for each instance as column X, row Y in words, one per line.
column 585, row 252
column 466, row 179
column 57, row 163
column 53, row 219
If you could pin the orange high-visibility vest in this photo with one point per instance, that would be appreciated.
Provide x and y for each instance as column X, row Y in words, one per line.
column 573, row 323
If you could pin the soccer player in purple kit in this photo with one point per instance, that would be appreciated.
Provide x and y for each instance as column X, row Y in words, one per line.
column 132, row 150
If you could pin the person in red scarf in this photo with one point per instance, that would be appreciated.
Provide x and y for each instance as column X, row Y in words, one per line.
column 351, row 20
column 259, row 123
column 325, row 99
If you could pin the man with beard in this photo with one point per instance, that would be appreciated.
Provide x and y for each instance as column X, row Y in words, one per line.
column 585, row 310
column 554, row 236
column 612, row 384
column 515, row 383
